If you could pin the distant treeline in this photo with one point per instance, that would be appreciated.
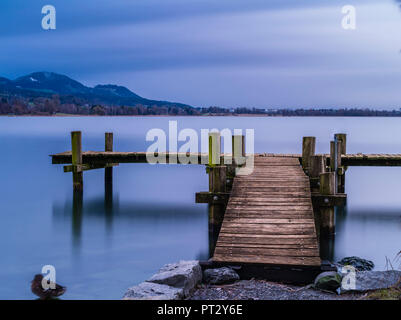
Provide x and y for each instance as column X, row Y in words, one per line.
column 53, row 106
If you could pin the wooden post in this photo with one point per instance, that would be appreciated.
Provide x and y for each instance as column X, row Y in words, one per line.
column 77, row 200
column 238, row 149
column 217, row 183
column 335, row 161
column 238, row 158
column 327, row 183
column 76, row 144
column 342, row 137
column 214, row 149
column 327, row 218
column 308, row 150
column 218, row 179
column 108, row 142
column 317, row 166
column 108, row 175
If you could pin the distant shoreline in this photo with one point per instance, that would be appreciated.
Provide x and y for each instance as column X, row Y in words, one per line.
column 195, row 116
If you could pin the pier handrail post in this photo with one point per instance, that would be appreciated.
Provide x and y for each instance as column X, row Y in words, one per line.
column 317, row 166
column 327, row 183
column 217, row 183
column 76, row 160
column 238, row 149
column 327, row 218
column 335, row 161
column 237, row 158
column 214, row 148
column 217, row 172
column 308, row 150
column 108, row 142
column 342, row 137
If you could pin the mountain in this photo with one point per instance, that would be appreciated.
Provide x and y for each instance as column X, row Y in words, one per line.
column 50, row 82
column 46, row 84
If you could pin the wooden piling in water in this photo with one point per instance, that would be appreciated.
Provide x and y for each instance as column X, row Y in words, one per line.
column 327, row 218
column 77, row 216
column 76, row 145
column 237, row 159
column 214, row 149
column 108, row 173
column 238, row 149
column 342, row 137
column 108, row 142
column 317, row 166
column 335, row 161
column 308, row 150
column 217, row 183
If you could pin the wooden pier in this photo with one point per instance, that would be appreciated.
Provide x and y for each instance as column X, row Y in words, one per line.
column 272, row 220
column 269, row 217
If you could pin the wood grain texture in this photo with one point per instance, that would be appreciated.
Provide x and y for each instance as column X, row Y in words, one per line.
column 274, row 160
column 269, row 217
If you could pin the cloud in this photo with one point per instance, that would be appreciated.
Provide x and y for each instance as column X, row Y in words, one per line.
column 253, row 53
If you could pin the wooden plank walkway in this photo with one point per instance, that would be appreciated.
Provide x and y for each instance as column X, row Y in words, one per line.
column 269, row 217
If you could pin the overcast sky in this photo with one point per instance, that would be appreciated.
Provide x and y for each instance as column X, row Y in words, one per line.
column 254, row 53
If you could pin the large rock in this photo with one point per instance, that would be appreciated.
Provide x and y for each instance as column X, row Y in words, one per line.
column 358, row 263
column 329, row 281
column 184, row 275
column 220, row 275
column 373, row 280
column 153, row 291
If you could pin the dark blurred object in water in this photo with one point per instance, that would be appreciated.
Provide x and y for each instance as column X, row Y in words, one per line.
column 44, row 294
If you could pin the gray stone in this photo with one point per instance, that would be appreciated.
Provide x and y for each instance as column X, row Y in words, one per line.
column 373, row 280
column 153, row 291
column 358, row 263
column 329, row 281
column 184, row 275
column 220, row 275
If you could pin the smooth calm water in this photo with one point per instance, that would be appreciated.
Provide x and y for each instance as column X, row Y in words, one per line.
column 153, row 219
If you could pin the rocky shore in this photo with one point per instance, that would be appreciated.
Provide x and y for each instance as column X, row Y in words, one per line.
column 264, row 290
column 187, row 280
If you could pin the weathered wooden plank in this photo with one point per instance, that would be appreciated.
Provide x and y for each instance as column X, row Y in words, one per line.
column 285, row 252
column 269, row 226
column 272, row 241
column 267, row 237
column 269, row 215
column 253, row 243
column 275, row 201
column 271, row 231
column 274, row 189
column 268, row 195
column 240, row 220
column 268, row 207
column 304, row 199
column 269, row 260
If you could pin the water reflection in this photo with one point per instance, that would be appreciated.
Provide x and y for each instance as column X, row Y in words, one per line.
column 353, row 228
column 77, row 205
column 108, row 198
column 129, row 214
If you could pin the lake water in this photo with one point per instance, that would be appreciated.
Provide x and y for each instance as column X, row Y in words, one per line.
column 154, row 219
